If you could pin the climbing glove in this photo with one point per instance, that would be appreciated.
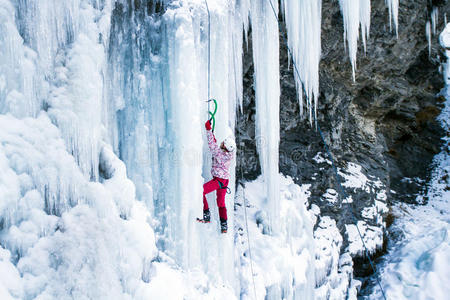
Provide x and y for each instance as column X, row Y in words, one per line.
column 208, row 125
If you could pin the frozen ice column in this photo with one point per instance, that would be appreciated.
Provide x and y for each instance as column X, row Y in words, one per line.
column 267, row 92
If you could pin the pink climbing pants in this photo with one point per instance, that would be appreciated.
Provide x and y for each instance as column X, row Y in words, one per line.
column 213, row 185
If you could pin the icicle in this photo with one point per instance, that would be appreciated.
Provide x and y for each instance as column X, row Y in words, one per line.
column 428, row 34
column 364, row 20
column 393, row 13
column 350, row 12
column 303, row 22
column 265, row 36
column 430, row 27
column 434, row 18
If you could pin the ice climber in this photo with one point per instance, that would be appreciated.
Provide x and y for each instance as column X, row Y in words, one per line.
column 221, row 160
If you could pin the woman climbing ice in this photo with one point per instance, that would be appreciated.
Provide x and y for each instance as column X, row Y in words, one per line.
column 221, row 160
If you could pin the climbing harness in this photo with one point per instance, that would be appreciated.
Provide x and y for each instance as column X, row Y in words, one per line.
column 343, row 193
column 221, row 186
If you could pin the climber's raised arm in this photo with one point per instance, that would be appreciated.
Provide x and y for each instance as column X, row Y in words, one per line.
column 213, row 147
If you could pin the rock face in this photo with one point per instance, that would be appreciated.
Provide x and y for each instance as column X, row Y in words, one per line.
column 384, row 121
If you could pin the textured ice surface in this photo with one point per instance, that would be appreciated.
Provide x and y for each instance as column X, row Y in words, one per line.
column 65, row 234
column 334, row 272
column 283, row 265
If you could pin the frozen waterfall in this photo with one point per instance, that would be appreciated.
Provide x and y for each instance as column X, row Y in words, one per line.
column 103, row 152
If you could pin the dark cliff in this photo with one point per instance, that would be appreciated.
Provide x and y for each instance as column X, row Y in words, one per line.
column 384, row 121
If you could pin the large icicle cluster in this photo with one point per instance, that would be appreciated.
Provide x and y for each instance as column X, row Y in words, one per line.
column 430, row 26
column 69, row 38
column 303, row 22
column 356, row 15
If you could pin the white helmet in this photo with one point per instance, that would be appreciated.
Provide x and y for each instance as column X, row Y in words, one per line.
column 229, row 143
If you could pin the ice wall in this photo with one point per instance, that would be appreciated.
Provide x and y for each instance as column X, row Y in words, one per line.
column 159, row 67
column 69, row 214
column 334, row 272
column 54, row 60
column 69, row 39
column 61, row 234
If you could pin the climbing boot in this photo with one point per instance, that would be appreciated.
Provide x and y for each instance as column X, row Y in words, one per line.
column 206, row 217
column 223, row 225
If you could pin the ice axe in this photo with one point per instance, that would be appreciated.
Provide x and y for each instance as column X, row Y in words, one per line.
column 212, row 114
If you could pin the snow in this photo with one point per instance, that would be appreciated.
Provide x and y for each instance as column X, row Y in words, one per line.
column 374, row 212
column 371, row 235
column 331, row 196
column 354, row 178
column 10, row 285
column 318, row 158
column 297, row 263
